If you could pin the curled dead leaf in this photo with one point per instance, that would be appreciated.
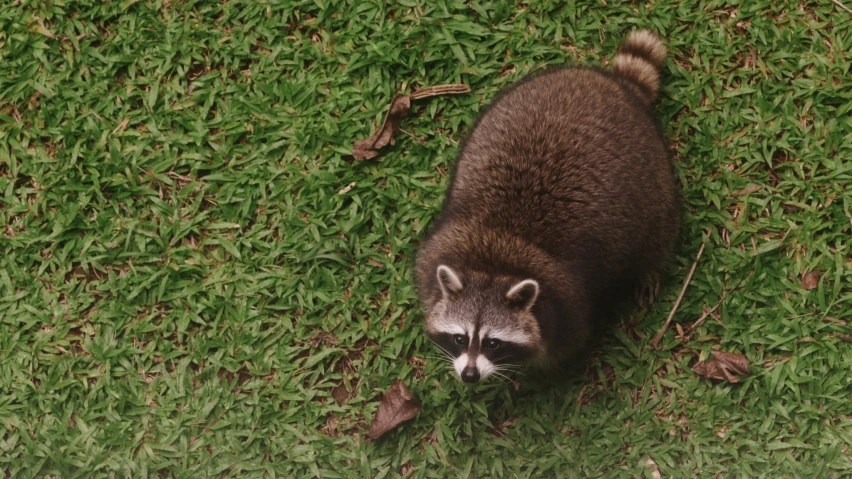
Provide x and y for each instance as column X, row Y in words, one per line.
column 723, row 366
column 369, row 147
column 398, row 405
column 810, row 280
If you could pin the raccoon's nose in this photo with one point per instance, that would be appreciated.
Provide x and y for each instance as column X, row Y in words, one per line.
column 470, row 375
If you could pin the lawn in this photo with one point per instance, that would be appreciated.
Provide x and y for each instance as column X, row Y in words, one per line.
column 198, row 280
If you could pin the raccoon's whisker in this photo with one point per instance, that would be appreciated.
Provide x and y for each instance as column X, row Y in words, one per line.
column 502, row 377
column 446, row 353
column 514, row 371
column 445, row 358
column 507, row 365
column 497, row 360
column 448, row 358
column 437, row 358
column 512, row 366
column 440, row 347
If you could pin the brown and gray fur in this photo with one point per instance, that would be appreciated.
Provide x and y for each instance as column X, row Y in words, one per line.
column 565, row 182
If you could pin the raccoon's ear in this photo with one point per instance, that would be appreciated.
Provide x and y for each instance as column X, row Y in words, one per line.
column 449, row 281
column 522, row 296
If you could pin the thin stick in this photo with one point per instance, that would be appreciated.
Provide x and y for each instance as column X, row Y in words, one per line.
column 704, row 316
column 417, row 138
column 580, row 397
column 710, row 312
column 679, row 298
column 842, row 6
column 455, row 89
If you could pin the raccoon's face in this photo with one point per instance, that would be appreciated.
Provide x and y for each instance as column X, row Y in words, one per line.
column 485, row 324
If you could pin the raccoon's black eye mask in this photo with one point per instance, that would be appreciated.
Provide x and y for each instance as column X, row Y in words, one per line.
column 496, row 350
column 508, row 352
column 448, row 343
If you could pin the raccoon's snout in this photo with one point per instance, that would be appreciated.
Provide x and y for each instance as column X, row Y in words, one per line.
column 470, row 375
column 469, row 370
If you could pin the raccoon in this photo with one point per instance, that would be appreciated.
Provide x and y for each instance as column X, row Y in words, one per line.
column 563, row 197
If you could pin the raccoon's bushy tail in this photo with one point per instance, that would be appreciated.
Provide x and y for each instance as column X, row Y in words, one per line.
column 640, row 59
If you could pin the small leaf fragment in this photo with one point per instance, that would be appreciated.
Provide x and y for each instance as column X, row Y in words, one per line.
column 347, row 188
column 121, row 126
column 810, row 280
column 43, row 29
column 723, row 366
column 340, row 394
column 398, row 405
column 653, row 469
column 748, row 190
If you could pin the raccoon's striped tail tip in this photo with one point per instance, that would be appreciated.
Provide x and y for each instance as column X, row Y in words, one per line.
column 640, row 59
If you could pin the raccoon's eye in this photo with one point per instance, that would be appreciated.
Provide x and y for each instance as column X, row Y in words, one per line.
column 492, row 344
column 460, row 339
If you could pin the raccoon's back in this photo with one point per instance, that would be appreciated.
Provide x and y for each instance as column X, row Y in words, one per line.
column 571, row 160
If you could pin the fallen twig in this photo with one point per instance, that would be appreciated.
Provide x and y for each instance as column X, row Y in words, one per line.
column 679, row 298
column 455, row 89
column 706, row 314
column 842, row 6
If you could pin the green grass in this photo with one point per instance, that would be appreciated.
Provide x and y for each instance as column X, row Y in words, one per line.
column 182, row 286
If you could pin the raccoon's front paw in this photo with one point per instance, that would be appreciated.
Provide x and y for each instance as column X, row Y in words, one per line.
column 647, row 290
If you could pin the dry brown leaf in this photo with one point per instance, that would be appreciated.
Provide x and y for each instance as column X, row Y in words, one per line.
column 340, row 394
column 748, row 190
column 43, row 30
column 497, row 429
column 398, row 405
column 722, row 366
column 369, row 147
column 810, row 280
